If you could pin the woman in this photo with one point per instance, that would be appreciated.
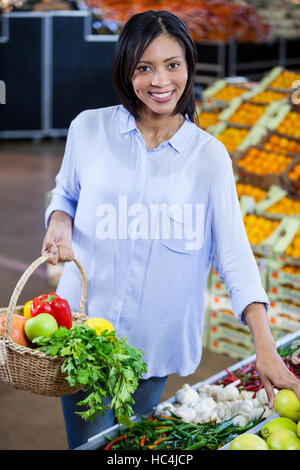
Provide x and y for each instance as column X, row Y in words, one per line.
column 146, row 200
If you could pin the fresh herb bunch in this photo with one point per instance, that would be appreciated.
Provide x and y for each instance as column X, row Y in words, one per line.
column 106, row 365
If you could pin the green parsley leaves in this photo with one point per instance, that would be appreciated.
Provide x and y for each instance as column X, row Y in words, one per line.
column 105, row 365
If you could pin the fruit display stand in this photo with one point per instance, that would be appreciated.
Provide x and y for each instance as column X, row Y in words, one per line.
column 99, row 441
column 280, row 79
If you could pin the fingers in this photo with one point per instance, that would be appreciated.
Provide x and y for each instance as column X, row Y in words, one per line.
column 296, row 388
column 65, row 253
column 269, row 391
column 60, row 253
column 50, row 247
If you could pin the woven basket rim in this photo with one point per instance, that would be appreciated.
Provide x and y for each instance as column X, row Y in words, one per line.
column 18, row 348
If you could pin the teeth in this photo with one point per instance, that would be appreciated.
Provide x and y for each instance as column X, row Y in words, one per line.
column 161, row 95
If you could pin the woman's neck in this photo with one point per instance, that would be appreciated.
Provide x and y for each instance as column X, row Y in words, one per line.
column 157, row 127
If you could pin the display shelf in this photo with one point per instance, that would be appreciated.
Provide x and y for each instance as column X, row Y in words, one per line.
column 99, row 441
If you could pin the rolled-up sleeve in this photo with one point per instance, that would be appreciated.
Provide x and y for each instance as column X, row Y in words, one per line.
column 232, row 255
column 65, row 195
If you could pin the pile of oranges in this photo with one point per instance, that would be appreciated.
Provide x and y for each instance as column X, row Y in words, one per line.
column 268, row 96
column 228, row 93
column 263, row 162
column 290, row 125
column 232, row 137
column 294, row 247
column 208, row 118
column 294, row 174
column 249, row 190
column 284, row 80
column 247, row 114
column 259, row 228
column 276, row 143
column 291, row 269
column 286, row 206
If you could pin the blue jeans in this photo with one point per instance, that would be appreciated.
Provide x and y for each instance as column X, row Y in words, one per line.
column 146, row 396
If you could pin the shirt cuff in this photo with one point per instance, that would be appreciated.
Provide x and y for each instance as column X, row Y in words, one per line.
column 250, row 295
column 59, row 203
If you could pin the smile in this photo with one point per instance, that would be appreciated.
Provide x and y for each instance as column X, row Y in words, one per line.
column 162, row 96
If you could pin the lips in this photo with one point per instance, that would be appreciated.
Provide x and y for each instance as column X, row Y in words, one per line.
column 162, row 97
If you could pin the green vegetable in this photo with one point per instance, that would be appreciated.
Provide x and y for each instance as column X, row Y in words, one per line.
column 179, row 435
column 106, row 365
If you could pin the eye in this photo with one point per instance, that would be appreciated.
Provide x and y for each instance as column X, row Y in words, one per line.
column 143, row 68
column 174, row 65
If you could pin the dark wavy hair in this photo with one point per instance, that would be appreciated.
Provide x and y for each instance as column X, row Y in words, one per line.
column 136, row 35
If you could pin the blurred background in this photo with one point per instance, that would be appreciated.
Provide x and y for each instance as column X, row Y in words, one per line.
column 55, row 61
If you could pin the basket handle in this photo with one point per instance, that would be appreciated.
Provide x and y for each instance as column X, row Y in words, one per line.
column 26, row 275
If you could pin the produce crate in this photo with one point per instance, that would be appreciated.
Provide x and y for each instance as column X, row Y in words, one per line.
column 266, row 180
column 99, row 441
column 275, row 142
column 292, row 184
column 234, row 114
column 223, row 91
column 274, row 77
column 278, row 204
column 278, row 276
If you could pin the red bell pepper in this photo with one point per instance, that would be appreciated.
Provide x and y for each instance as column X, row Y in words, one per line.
column 54, row 305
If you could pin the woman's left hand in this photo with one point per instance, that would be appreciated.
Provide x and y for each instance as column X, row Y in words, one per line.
column 274, row 373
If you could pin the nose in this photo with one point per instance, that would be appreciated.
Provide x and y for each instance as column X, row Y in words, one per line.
column 160, row 78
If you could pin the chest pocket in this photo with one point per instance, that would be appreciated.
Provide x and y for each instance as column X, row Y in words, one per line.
column 183, row 228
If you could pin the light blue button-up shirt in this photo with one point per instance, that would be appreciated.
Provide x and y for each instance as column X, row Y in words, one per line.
column 147, row 225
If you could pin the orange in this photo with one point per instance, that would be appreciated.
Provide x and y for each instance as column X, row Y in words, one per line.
column 17, row 330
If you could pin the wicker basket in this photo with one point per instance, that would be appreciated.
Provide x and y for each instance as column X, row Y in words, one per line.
column 29, row 369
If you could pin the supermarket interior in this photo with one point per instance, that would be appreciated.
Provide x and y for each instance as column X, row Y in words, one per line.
column 56, row 61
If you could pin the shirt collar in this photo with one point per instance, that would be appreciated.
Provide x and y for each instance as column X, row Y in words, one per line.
column 178, row 141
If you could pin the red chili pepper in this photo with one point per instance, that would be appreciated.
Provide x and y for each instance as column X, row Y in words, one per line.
column 231, row 374
column 142, row 441
column 54, row 305
column 112, row 443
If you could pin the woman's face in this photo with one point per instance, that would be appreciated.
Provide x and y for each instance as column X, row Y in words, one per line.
column 161, row 75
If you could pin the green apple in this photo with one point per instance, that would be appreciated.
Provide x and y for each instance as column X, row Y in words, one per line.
column 43, row 324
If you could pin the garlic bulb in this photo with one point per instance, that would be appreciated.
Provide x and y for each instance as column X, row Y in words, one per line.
column 165, row 409
column 186, row 413
column 262, row 397
column 209, row 390
column 203, row 404
column 256, row 413
column 228, row 393
column 187, row 395
column 205, row 416
column 224, row 410
column 240, row 420
column 245, row 395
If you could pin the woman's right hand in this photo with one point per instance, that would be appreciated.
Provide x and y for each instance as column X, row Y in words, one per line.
column 58, row 238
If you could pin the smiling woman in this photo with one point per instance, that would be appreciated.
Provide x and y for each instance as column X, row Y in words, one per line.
column 149, row 152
